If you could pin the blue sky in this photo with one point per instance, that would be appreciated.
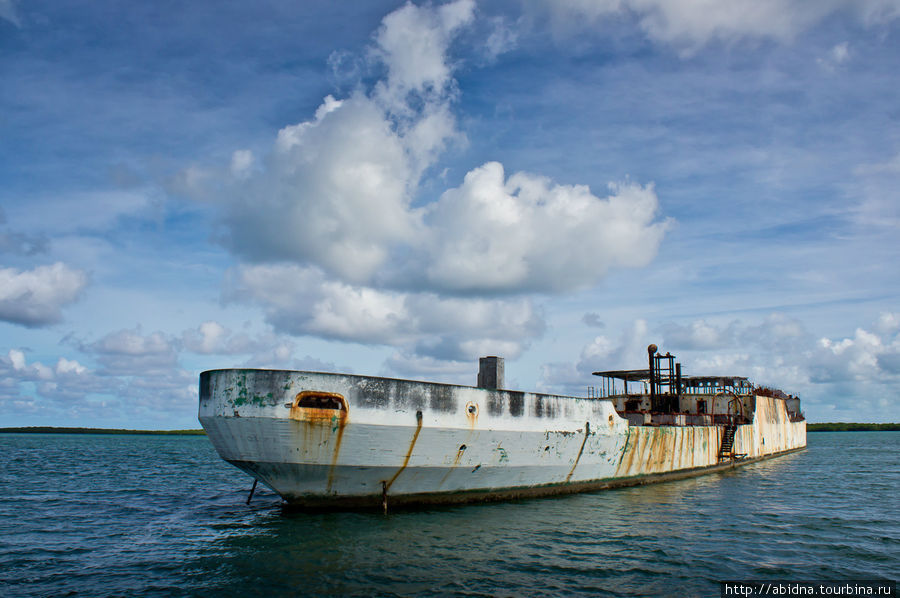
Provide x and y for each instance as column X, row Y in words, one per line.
column 396, row 189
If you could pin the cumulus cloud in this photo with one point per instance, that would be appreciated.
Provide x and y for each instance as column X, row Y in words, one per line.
column 130, row 353
column 412, row 42
column 143, row 366
column 336, row 192
column 777, row 351
column 266, row 350
column 853, row 358
column 690, row 24
column 696, row 335
column 336, row 242
column 410, row 365
column 36, row 297
column 67, row 383
column 601, row 353
column 303, row 301
column 525, row 233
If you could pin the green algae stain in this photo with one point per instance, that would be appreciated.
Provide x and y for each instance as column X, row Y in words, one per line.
column 244, row 397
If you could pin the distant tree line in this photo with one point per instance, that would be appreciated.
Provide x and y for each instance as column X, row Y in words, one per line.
column 845, row 427
column 52, row 430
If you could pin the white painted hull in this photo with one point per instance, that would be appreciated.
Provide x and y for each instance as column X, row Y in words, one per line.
column 416, row 442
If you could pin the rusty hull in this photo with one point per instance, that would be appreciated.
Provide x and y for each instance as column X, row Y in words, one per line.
column 342, row 441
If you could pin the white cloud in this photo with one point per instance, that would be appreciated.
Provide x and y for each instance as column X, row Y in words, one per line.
column 696, row 335
column 209, row 337
column 68, row 382
column 265, row 349
column 888, row 323
column 413, row 42
column 336, row 242
column 304, row 301
column 36, row 297
column 777, row 352
column 129, row 353
column 336, row 193
column 526, row 233
column 410, row 365
column 67, row 366
column 849, row 358
column 602, row 353
column 336, row 190
column 690, row 24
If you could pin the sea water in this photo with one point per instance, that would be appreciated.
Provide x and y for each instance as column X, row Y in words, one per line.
column 110, row 515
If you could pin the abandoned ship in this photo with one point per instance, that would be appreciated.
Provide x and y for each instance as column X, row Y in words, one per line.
column 337, row 441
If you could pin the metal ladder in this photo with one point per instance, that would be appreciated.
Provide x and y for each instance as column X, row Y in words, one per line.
column 726, row 448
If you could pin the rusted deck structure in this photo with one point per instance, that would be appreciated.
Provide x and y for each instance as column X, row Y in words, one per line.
column 345, row 441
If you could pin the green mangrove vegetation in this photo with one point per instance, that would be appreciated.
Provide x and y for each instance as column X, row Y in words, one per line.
column 54, row 430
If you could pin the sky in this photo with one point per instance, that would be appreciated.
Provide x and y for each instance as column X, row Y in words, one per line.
column 396, row 189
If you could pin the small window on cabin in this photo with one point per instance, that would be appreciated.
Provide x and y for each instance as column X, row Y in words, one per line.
column 701, row 406
column 321, row 400
column 633, row 405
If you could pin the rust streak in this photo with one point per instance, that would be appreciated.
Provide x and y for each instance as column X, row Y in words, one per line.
column 628, row 450
column 587, row 431
column 456, row 460
column 472, row 414
column 387, row 485
column 337, row 449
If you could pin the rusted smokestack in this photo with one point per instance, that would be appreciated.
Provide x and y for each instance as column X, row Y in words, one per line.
column 651, row 353
column 490, row 373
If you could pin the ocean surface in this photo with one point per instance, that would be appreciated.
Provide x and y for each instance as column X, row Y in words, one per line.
column 103, row 515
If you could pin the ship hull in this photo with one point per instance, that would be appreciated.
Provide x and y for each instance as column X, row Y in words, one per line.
column 375, row 441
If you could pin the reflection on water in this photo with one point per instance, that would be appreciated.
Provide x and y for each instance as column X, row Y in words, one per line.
column 108, row 515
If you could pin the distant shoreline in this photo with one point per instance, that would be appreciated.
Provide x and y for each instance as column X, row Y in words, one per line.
column 829, row 427
column 843, row 427
column 54, row 430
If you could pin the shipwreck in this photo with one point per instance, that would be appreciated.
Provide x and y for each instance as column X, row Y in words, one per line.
column 325, row 440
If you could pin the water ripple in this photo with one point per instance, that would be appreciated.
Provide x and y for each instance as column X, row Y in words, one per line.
column 163, row 516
